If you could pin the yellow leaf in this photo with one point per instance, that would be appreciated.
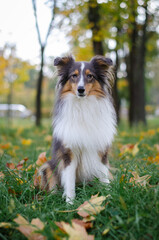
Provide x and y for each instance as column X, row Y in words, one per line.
column 76, row 231
column 91, row 207
column 5, row 225
column 26, row 142
column 105, row 231
column 135, row 150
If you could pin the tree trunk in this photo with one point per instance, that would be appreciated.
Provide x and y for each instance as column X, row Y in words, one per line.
column 94, row 20
column 39, row 90
column 136, row 75
column 115, row 90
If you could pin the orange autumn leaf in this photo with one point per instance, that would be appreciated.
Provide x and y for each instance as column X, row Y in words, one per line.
column 10, row 165
column 41, row 159
column 29, row 229
column 21, row 163
column 91, row 207
column 5, row 146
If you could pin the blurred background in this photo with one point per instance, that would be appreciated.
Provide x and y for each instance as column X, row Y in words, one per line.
column 33, row 32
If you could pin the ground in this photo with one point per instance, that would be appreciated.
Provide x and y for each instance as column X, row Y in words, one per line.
column 129, row 206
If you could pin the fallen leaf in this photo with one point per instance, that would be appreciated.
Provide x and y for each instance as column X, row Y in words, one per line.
column 5, row 146
column 86, row 225
column 26, row 142
column 5, row 225
column 41, row 159
column 76, row 231
column 142, row 181
column 105, row 231
column 129, row 148
column 10, row 165
column 21, row 163
column 135, row 150
column 28, row 229
column 91, row 207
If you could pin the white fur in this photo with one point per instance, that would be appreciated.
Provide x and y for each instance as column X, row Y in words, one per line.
column 68, row 179
column 85, row 123
column 81, row 81
column 86, row 126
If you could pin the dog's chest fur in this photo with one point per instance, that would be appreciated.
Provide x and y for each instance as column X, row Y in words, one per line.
column 87, row 127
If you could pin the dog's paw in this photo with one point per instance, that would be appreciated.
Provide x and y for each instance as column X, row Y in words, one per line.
column 69, row 198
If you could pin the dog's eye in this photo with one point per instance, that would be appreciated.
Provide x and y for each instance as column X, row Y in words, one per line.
column 90, row 77
column 74, row 76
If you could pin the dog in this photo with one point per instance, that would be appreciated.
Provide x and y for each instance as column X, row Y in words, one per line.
column 84, row 124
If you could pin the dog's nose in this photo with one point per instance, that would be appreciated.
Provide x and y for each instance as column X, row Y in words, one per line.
column 81, row 90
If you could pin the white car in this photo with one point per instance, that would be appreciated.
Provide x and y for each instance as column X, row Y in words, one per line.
column 16, row 110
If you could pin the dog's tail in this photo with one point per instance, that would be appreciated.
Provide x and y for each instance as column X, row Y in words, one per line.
column 48, row 180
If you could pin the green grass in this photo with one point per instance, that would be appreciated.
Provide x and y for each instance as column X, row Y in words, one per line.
column 132, row 211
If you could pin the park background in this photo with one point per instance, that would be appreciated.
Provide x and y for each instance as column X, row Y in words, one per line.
column 32, row 34
column 125, row 31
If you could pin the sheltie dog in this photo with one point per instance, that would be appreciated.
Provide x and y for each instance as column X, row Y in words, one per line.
column 84, row 124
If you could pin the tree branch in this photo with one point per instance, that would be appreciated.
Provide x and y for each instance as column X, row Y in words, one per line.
column 51, row 22
column 36, row 22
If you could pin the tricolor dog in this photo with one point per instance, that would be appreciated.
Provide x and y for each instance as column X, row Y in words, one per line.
column 84, row 124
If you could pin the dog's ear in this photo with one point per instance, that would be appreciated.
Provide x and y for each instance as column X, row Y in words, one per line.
column 100, row 61
column 105, row 69
column 64, row 61
column 63, row 64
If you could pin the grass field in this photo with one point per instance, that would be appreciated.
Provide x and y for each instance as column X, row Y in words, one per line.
column 130, row 210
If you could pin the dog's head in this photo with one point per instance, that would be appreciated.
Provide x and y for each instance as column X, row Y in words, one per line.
column 85, row 78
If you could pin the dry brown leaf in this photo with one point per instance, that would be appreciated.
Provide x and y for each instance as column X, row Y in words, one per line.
column 76, row 231
column 28, row 229
column 38, row 223
column 142, row 181
column 91, row 207
column 82, row 223
column 41, row 159
column 10, row 165
column 21, row 163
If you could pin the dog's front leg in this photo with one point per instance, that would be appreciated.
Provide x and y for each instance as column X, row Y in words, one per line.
column 68, row 179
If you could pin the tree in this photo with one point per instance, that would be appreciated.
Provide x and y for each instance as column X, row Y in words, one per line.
column 42, row 50
column 94, row 18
